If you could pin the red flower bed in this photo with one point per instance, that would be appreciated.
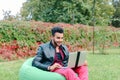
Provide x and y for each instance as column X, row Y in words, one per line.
column 13, row 50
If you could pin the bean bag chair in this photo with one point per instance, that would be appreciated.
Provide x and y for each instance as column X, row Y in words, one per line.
column 28, row 72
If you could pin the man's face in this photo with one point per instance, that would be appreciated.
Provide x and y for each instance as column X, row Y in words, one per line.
column 57, row 39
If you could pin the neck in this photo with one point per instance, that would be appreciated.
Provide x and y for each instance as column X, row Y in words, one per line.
column 55, row 45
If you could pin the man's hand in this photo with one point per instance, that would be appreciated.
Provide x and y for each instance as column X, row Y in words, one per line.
column 54, row 66
column 85, row 63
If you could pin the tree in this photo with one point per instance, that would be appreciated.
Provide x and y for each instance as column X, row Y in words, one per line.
column 35, row 9
column 7, row 15
column 103, row 12
column 68, row 11
column 116, row 17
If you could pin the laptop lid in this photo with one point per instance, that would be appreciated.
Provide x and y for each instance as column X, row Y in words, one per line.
column 76, row 59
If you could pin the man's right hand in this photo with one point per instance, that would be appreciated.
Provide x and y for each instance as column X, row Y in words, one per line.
column 54, row 66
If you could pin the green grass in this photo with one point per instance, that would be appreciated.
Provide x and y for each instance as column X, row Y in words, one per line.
column 101, row 67
column 104, row 67
column 9, row 70
column 107, row 51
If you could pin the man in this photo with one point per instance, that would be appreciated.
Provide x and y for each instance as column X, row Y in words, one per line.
column 53, row 56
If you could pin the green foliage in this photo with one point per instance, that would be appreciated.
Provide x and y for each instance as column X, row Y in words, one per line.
column 20, row 39
column 16, row 31
column 116, row 17
column 28, row 33
column 68, row 11
column 35, row 9
column 103, row 12
column 23, row 33
column 58, row 11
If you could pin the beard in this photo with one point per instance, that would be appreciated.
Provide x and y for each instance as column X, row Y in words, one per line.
column 57, row 43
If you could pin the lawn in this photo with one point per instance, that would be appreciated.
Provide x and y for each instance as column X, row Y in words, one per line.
column 9, row 70
column 104, row 67
column 101, row 67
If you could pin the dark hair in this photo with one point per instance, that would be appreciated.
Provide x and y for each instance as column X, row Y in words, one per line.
column 56, row 29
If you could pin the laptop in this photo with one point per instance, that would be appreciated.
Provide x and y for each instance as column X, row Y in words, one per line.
column 76, row 59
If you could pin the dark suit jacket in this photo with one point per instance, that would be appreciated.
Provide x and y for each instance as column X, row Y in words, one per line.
column 45, row 56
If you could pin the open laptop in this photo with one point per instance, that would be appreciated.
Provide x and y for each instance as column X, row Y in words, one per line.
column 76, row 59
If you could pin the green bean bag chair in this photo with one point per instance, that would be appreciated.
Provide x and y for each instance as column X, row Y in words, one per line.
column 28, row 72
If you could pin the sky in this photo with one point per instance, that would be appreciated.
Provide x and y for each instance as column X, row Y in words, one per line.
column 10, row 5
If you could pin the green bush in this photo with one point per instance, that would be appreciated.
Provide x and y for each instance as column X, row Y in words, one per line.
column 20, row 39
column 28, row 33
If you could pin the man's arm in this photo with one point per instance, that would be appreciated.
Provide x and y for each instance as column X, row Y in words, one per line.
column 37, row 60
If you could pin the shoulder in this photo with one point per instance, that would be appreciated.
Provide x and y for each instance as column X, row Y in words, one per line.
column 64, row 46
column 44, row 45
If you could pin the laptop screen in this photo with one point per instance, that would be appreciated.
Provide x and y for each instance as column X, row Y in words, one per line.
column 76, row 59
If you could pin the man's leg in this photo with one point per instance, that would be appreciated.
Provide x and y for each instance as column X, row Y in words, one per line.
column 68, row 73
column 82, row 72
